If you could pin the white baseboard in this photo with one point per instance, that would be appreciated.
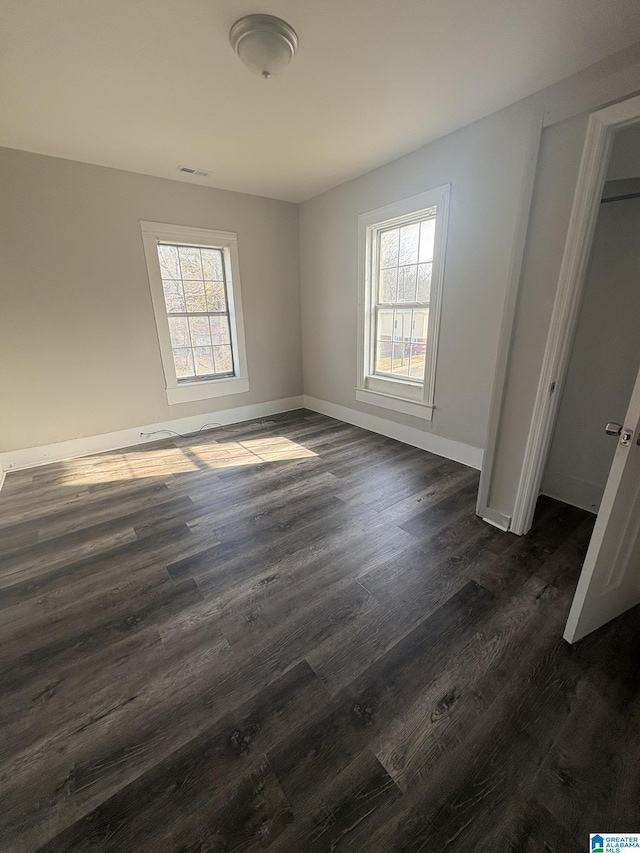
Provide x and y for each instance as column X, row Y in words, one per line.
column 497, row 519
column 447, row 447
column 3, row 475
column 572, row 490
column 14, row 460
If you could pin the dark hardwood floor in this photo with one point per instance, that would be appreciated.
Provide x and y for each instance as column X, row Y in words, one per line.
column 297, row 636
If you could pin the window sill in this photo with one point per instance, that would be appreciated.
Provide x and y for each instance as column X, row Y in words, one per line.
column 395, row 404
column 190, row 391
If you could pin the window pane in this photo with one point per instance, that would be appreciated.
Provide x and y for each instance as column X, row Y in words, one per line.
column 223, row 359
column 409, row 236
column 179, row 331
column 389, row 247
column 384, row 340
column 424, row 282
column 403, row 348
column 407, row 284
column 200, row 332
column 418, row 346
column 195, row 298
column 427, row 237
column 173, row 296
column 190, row 264
column 397, row 347
column 214, row 291
column 404, row 272
column 193, row 283
column 183, row 360
column 175, row 304
column 389, row 285
column 212, row 264
column 220, row 330
column 168, row 257
column 203, row 361
column 401, row 343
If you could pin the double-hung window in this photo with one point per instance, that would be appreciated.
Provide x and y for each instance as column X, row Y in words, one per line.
column 401, row 277
column 195, row 289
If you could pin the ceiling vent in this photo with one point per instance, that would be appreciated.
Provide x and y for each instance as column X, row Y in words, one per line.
column 189, row 171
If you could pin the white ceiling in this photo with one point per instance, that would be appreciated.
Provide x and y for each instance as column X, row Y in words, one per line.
column 148, row 85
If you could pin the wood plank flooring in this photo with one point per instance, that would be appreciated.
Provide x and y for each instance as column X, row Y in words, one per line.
column 294, row 635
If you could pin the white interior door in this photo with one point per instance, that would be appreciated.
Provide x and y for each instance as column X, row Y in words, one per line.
column 610, row 579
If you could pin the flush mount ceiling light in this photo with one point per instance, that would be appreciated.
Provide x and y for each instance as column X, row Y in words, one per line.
column 264, row 43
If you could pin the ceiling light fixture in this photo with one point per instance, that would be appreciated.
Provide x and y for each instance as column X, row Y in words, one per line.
column 264, row 43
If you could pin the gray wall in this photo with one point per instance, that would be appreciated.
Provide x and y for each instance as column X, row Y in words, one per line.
column 484, row 163
column 556, row 178
column 604, row 359
column 79, row 354
column 625, row 157
column 78, row 348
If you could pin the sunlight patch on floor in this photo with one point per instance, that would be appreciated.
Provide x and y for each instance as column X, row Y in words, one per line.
column 250, row 452
column 167, row 461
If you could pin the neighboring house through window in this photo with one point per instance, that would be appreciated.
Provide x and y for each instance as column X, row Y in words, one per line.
column 402, row 250
column 195, row 289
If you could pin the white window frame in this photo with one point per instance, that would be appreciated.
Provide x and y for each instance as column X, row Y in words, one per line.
column 185, row 391
column 400, row 395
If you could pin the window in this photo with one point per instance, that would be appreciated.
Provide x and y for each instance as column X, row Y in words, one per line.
column 195, row 289
column 402, row 260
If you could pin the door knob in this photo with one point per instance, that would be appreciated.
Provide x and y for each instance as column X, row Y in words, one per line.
column 625, row 434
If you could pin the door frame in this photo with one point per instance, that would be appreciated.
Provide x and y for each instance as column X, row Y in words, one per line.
column 596, row 153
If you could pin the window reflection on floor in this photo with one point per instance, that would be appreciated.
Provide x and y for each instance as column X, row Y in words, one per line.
column 166, row 461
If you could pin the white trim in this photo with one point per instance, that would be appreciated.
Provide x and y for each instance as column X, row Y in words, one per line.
column 435, row 297
column 508, row 317
column 584, row 214
column 3, row 476
column 400, row 390
column 14, row 460
column 369, row 224
column 497, row 519
column 396, row 404
column 183, row 392
column 447, row 447
column 203, row 390
column 613, row 78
